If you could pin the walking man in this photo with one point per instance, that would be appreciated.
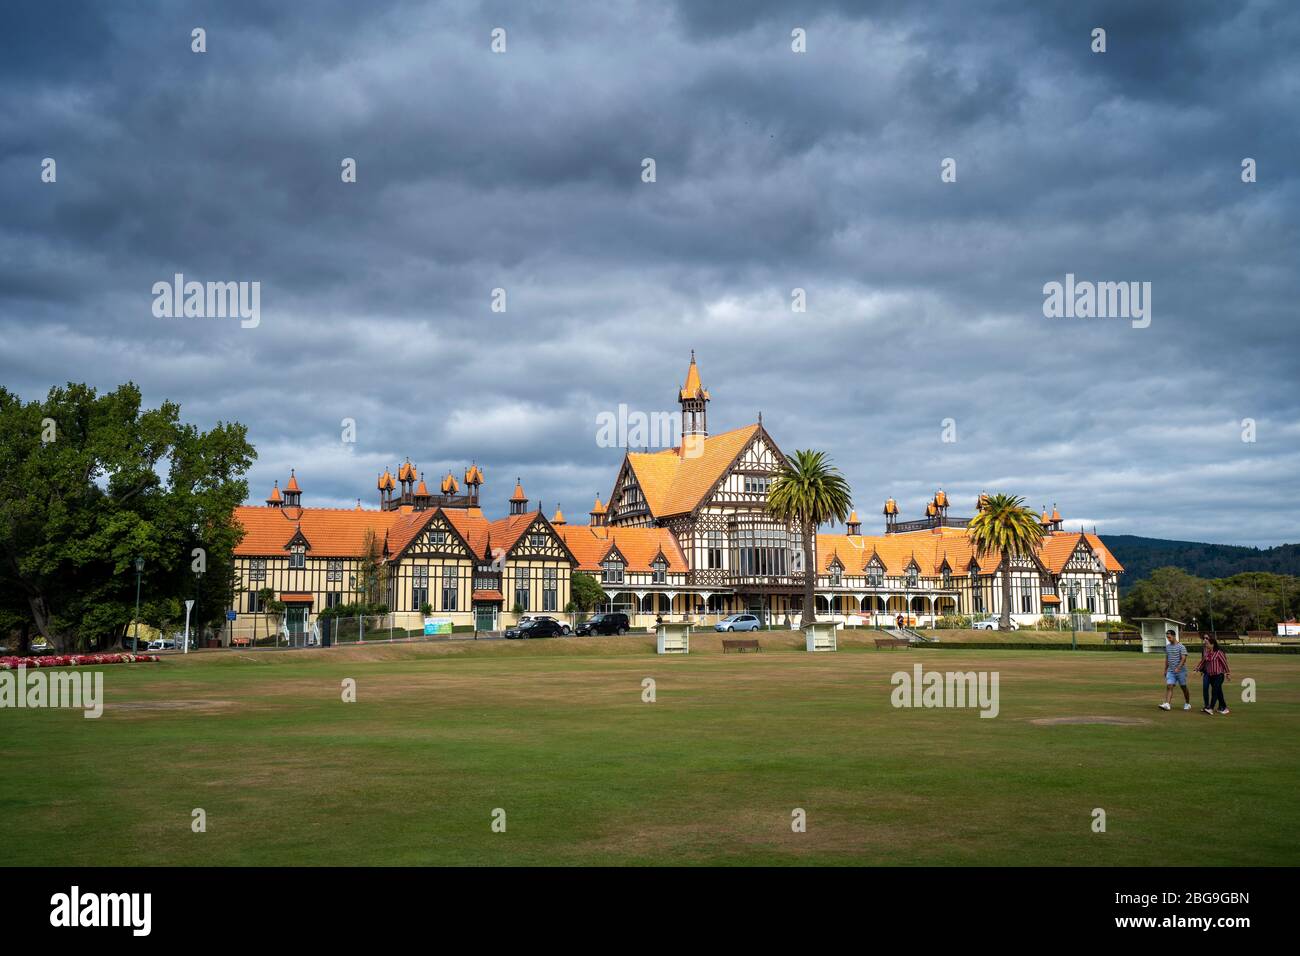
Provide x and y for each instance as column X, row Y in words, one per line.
column 1175, row 670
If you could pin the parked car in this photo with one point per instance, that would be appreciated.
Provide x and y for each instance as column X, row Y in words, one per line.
column 991, row 624
column 738, row 622
column 537, row 627
column 609, row 622
column 162, row 644
column 41, row 646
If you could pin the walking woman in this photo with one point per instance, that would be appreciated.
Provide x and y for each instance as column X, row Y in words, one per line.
column 1214, row 670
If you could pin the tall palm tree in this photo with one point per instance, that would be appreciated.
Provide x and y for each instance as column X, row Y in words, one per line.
column 809, row 491
column 1005, row 527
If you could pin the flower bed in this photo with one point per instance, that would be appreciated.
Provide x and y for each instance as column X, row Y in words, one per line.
column 74, row 660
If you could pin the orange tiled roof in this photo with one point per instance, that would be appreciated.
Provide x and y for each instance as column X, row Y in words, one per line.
column 952, row 544
column 295, row 597
column 422, row 490
column 331, row 533
column 519, row 492
column 473, row 475
column 693, row 388
column 449, row 485
column 275, row 494
column 293, row 482
column 675, row 484
column 599, row 507
column 488, row 596
column 406, row 472
column 558, row 518
column 639, row 546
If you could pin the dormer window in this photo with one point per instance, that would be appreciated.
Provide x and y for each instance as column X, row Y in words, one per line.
column 660, row 569
column 913, row 577
column 611, row 571
column 875, row 576
column 837, row 575
column 297, row 556
column 947, row 577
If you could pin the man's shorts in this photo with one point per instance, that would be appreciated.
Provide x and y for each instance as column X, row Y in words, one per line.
column 1176, row 677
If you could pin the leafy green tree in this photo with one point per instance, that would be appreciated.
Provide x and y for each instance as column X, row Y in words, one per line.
column 90, row 482
column 1005, row 527
column 807, row 492
column 585, row 591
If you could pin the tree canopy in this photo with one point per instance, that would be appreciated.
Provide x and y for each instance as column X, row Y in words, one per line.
column 88, row 483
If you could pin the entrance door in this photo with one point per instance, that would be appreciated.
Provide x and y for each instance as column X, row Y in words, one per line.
column 296, row 621
column 484, row 617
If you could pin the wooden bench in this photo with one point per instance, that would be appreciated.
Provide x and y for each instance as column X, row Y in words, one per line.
column 240, row 642
column 891, row 642
column 1119, row 637
column 740, row 644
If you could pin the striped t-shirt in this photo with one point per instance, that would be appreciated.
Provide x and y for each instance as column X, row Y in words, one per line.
column 1175, row 654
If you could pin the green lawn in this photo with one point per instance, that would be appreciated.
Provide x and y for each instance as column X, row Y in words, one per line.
column 555, row 732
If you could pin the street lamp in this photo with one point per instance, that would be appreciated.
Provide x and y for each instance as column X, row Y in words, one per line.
column 1074, row 600
column 139, row 569
column 1209, row 597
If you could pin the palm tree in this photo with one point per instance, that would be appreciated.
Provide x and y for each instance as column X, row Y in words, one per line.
column 1005, row 527
column 809, row 491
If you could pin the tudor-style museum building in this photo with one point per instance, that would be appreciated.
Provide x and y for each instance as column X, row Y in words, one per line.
column 684, row 535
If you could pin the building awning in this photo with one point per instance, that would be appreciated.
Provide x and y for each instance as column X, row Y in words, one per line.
column 290, row 597
column 488, row 596
column 1051, row 599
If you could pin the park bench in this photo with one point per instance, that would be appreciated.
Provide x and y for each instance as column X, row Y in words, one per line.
column 740, row 644
column 240, row 642
column 1121, row 637
column 891, row 642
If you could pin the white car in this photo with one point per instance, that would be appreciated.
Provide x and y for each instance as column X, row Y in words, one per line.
column 991, row 624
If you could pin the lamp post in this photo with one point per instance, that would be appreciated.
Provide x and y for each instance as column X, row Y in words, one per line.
column 1209, row 597
column 1074, row 600
column 135, row 640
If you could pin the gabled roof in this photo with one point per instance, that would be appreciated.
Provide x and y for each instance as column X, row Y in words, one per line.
column 638, row 546
column 931, row 549
column 333, row 533
column 674, row 483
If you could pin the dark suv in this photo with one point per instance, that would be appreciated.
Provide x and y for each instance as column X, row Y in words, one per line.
column 612, row 622
column 538, row 627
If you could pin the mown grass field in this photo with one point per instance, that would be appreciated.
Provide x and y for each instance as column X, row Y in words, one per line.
column 556, row 733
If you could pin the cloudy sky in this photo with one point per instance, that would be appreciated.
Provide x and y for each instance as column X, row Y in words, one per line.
column 775, row 170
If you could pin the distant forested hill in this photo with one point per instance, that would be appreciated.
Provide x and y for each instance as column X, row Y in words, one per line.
column 1140, row 556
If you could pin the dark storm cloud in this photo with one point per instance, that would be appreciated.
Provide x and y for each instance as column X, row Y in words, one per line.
column 775, row 171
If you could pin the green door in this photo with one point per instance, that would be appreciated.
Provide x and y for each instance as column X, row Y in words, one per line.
column 484, row 617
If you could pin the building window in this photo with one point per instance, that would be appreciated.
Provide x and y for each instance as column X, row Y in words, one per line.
column 437, row 537
column 714, row 544
column 550, row 589
column 913, row 577
column 333, row 599
column 257, row 569
column 449, row 587
column 947, row 578
column 297, row 556
column 254, row 602
column 875, row 577
column 837, row 575
column 611, row 572
column 419, row 586
column 334, row 569
column 660, row 571
column 1026, row 603
column 761, row 550
column 522, row 595
column 758, row 484
column 537, row 539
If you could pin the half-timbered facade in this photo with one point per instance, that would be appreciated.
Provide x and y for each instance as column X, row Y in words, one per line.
column 685, row 534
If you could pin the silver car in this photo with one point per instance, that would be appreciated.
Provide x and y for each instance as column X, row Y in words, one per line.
column 738, row 622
